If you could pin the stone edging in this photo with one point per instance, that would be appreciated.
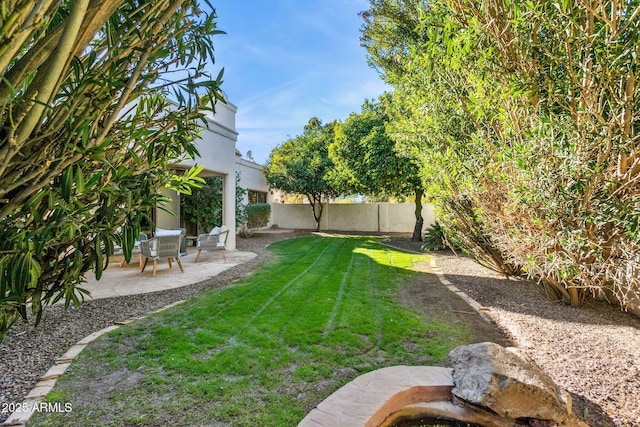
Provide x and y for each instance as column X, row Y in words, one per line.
column 45, row 384
column 483, row 311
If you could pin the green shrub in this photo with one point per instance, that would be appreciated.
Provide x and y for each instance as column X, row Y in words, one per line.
column 257, row 216
column 434, row 239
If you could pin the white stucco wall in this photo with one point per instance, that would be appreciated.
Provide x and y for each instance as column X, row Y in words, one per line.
column 351, row 217
column 217, row 148
column 217, row 144
column 252, row 177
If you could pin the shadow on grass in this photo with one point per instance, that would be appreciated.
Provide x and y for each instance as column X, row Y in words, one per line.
column 267, row 349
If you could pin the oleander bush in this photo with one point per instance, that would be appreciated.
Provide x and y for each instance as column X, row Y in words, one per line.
column 87, row 132
column 526, row 116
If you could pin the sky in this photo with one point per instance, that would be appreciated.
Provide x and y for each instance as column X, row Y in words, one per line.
column 286, row 61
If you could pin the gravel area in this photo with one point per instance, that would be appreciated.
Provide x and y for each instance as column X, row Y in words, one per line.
column 593, row 351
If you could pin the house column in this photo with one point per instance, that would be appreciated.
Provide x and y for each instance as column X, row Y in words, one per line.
column 229, row 208
column 165, row 219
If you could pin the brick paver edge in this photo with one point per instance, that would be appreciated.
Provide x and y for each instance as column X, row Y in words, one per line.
column 46, row 382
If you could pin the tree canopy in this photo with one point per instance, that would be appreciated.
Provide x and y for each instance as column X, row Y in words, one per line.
column 367, row 161
column 301, row 165
column 526, row 117
column 87, row 132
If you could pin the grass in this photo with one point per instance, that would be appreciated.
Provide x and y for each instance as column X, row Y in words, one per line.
column 263, row 351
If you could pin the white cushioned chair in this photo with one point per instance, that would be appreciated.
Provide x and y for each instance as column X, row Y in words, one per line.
column 215, row 240
column 172, row 232
column 161, row 247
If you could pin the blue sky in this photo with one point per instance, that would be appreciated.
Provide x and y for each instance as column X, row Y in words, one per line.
column 286, row 61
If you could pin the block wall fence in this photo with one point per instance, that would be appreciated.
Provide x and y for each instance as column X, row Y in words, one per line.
column 372, row 217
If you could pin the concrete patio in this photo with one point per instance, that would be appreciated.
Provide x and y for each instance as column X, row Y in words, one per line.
column 128, row 280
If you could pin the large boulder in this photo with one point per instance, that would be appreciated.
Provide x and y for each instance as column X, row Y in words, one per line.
column 509, row 383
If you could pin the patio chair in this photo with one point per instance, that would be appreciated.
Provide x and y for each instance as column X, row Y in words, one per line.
column 161, row 247
column 213, row 241
column 172, row 232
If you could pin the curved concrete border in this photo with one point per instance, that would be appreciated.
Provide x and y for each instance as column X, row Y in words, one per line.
column 385, row 396
column 46, row 383
column 373, row 397
column 394, row 391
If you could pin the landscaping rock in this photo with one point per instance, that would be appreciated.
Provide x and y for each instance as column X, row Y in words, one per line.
column 508, row 383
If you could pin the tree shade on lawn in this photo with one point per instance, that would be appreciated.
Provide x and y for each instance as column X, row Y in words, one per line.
column 263, row 351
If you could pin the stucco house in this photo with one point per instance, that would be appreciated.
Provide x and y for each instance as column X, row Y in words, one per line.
column 218, row 154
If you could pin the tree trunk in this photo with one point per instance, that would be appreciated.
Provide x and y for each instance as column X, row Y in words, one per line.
column 417, row 229
column 316, row 216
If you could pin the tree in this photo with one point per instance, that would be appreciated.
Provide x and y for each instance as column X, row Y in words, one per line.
column 87, row 133
column 367, row 161
column 301, row 165
column 412, row 44
column 528, row 114
column 205, row 203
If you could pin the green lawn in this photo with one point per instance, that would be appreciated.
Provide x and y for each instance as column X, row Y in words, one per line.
column 263, row 351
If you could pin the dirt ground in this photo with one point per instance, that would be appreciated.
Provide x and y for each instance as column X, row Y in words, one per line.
column 590, row 351
column 427, row 295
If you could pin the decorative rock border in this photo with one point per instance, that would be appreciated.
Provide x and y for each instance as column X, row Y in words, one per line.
column 33, row 400
column 482, row 310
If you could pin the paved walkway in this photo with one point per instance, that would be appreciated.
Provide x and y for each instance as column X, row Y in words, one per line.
column 128, row 280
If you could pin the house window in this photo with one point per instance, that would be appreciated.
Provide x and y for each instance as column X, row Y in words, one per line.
column 257, row 197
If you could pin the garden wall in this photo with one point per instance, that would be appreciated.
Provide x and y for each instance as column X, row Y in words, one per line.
column 382, row 217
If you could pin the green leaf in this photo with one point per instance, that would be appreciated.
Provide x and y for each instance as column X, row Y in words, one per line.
column 80, row 185
column 66, row 184
column 99, row 257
